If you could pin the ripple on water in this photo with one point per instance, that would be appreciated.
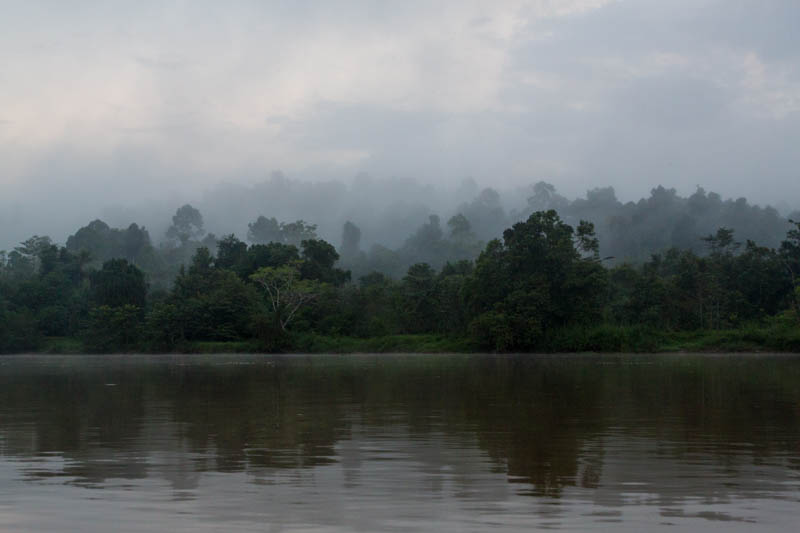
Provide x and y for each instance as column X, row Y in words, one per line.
column 381, row 443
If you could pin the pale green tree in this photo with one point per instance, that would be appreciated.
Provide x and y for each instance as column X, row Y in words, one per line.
column 286, row 291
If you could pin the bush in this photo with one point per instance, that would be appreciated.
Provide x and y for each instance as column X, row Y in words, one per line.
column 113, row 329
column 491, row 331
column 18, row 332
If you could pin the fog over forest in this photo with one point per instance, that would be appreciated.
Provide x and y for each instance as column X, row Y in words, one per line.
column 390, row 210
column 125, row 111
column 394, row 223
column 521, row 175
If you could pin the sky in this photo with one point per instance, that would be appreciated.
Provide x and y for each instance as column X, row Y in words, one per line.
column 118, row 103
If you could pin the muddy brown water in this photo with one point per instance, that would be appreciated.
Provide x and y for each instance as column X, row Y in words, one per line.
column 400, row 443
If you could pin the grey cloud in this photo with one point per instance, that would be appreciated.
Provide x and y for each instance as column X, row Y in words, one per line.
column 633, row 94
column 767, row 27
column 161, row 63
column 672, row 103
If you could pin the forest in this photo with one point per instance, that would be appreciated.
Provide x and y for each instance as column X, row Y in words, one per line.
column 590, row 274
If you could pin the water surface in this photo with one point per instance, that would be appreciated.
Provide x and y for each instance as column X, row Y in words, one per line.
column 399, row 443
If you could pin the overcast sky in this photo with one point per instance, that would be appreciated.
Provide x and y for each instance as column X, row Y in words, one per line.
column 127, row 100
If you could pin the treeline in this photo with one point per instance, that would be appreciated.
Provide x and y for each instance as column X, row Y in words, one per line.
column 388, row 229
column 389, row 211
column 544, row 286
column 633, row 231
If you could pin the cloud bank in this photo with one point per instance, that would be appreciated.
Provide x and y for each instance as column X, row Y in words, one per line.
column 122, row 102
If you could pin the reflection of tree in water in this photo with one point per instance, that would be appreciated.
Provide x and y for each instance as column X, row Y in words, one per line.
column 538, row 419
column 58, row 408
column 258, row 415
column 532, row 415
column 544, row 421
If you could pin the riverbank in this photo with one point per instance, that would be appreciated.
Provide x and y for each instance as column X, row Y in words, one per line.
column 773, row 337
column 307, row 343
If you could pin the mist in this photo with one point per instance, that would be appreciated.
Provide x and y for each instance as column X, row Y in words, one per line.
column 124, row 113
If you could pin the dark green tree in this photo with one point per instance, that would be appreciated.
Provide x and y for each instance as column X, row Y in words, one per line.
column 118, row 283
column 113, row 329
column 419, row 305
column 319, row 258
column 535, row 280
column 232, row 254
column 209, row 303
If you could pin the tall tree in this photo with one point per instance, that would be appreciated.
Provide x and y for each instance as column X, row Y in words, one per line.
column 187, row 224
column 318, row 260
column 296, row 232
column 264, row 231
column 286, row 291
column 351, row 240
column 536, row 279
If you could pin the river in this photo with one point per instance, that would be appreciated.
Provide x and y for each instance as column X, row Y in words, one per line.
column 399, row 443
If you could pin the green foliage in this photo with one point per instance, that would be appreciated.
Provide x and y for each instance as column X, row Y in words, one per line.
column 634, row 231
column 113, row 329
column 605, row 338
column 34, row 248
column 165, row 329
column 18, row 331
column 790, row 256
column 318, row 260
column 231, row 254
column 452, row 299
column 62, row 345
column 368, row 309
column 269, row 230
column 418, row 307
column 97, row 242
column 118, row 283
column 312, row 343
column 54, row 320
column 209, row 303
column 534, row 281
column 543, row 287
column 680, row 290
column 286, row 292
column 273, row 254
column 47, row 283
column 493, row 332
column 234, row 255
